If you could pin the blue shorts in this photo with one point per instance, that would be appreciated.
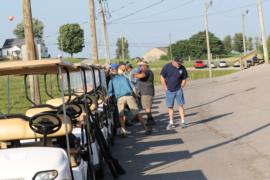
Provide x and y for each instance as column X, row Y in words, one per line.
column 171, row 96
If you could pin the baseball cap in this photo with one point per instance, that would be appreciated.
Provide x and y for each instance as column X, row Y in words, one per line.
column 114, row 66
column 178, row 60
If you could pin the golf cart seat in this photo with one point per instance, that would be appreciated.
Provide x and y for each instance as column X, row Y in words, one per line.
column 36, row 110
column 58, row 101
column 14, row 127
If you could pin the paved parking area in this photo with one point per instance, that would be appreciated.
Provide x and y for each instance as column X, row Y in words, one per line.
column 227, row 136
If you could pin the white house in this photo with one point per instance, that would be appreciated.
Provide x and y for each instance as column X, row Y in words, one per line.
column 155, row 53
column 16, row 49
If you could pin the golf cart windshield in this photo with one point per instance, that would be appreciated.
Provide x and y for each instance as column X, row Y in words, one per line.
column 76, row 84
column 14, row 78
column 97, row 77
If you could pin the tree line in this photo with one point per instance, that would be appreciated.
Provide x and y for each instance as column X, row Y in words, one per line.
column 195, row 47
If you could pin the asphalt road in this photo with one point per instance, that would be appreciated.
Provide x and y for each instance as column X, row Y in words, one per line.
column 227, row 137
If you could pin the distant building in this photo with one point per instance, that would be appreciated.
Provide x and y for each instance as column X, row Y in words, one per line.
column 16, row 49
column 155, row 53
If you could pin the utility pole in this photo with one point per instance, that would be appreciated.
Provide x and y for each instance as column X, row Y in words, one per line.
column 104, row 27
column 93, row 32
column 262, row 30
column 244, row 31
column 30, row 48
column 170, row 36
column 207, row 5
column 123, row 50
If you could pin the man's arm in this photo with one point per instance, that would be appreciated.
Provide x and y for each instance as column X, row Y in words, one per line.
column 110, row 89
column 139, row 75
column 184, row 83
column 163, row 83
column 185, row 77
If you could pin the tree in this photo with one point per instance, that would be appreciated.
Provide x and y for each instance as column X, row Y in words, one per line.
column 182, row 49
column 195, row 47
column 238, row 43
column 122, row 43
column 71, row 38
column 250, row 44
column 38, row 29
column 227, row 41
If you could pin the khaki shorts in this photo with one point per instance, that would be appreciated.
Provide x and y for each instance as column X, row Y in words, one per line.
column 127, row 101
column 146, row 101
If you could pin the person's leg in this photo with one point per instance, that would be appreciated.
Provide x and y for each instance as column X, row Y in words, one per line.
column 181, row 102
column 147, row 106
column 182, row 113
column 170, row 96
column 121, row 108
column 170, row 112
column 134, row 108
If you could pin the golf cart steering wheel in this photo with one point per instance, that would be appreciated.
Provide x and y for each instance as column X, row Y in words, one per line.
column 45, row 123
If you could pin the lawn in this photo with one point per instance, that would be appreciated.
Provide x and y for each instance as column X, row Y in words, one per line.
column 196, row 74
column 18, row 101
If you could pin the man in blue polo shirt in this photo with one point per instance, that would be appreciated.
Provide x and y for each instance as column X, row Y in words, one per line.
column 173, row 78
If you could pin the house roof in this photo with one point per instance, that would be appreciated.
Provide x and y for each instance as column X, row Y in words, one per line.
column 13, row 42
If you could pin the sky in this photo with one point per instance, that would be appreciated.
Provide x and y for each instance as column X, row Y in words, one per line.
column 144, row 23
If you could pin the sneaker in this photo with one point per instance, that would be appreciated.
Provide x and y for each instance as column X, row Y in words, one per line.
column 184, row 125
column 125, row 131
column 170, row 126
column 123, row 135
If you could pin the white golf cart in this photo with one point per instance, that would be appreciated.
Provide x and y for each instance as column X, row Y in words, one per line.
column 40, row 145
column 100, row 122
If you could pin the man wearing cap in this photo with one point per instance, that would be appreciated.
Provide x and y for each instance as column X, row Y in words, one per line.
column 121, row 88
column 146, row 89
column 173, row 79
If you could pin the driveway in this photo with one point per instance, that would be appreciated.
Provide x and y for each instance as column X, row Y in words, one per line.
column 226, row 138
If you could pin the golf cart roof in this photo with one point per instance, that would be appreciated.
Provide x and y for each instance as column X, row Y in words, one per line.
column 46, row 66
column 82, row 65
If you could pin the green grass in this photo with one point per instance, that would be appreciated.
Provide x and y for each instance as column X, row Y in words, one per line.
column 196, row 74
column 200, row 74
column 18, row 101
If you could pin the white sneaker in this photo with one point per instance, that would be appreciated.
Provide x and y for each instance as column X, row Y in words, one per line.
column 125, row 131
column 170, row 126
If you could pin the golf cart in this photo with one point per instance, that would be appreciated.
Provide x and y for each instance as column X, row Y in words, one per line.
column 98, row 122
column 40, row 144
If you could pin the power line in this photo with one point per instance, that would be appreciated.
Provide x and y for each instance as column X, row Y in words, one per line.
column 122, row 7
column 166, row 11
column 187, row 18
column 139, row 10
